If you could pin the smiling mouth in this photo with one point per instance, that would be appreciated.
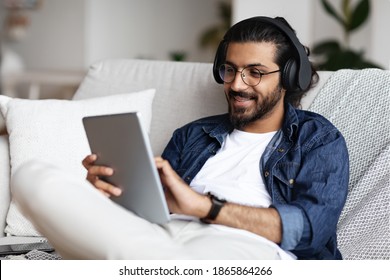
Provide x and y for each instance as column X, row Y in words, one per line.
column 239, row 97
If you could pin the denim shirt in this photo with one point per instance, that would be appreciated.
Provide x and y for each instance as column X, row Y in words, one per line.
column 305, row 168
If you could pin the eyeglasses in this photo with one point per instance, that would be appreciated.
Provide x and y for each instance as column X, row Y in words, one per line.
column 250, row 75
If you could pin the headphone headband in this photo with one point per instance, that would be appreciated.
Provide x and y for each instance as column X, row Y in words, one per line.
column 296, row 74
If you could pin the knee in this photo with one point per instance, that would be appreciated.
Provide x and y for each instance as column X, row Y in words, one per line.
column 28, row 181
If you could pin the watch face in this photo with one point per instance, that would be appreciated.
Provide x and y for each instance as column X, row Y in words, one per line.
column 218, row 201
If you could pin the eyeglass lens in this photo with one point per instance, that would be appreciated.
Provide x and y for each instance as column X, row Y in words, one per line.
column 250, row 75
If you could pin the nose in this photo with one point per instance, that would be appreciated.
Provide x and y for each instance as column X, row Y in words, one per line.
column 238, row 82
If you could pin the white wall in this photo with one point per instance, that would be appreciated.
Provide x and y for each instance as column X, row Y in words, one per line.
column 380, row 38
column 55, row 37
column 72, row 34
column 300, row 19
column 148, row 28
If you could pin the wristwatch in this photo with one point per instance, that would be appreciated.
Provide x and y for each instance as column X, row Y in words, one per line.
column 216, row 205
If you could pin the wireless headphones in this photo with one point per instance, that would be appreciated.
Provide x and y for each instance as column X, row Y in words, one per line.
column 296, row 73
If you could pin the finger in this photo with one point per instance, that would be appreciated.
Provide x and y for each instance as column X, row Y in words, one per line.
column 97, row 170
column 108, row 188
column 92, row 178
column 104, row 187
column 162, row 164
column 89, row 160
column 105, row 194
column 166, row 170
column 163, row 168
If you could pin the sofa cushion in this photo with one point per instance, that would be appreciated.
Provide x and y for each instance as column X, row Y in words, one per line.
column 4, row 181
column 52, row 131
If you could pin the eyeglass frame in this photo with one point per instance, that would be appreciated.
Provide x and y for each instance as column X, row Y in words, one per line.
column 261, row 74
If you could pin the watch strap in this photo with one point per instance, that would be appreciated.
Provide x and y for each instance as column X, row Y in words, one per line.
column 216, row 205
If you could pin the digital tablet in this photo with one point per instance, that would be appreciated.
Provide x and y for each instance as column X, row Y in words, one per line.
column 121, row 142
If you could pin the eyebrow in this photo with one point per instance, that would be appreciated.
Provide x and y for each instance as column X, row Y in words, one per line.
column 248, row 65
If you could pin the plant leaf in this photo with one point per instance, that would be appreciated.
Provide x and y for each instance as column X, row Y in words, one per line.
column 326, row 47
column 340, row 60
column 347, row 10
column 211, row 37
column 225, row 13
column 366, row 64
column 345, row 59
column 330, row 10
column 359, row 15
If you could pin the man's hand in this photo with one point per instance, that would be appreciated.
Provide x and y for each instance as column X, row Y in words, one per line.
column 94, row 173
column 180, row 197
column 183, row 200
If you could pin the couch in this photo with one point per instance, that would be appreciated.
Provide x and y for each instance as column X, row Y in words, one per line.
column 170, row 94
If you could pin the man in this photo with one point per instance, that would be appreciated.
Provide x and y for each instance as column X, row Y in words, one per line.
column 265, row 180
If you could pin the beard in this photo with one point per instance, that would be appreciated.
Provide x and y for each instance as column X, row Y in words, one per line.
column 241, row 117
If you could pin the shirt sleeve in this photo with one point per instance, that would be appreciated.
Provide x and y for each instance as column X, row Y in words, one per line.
column 320, row 189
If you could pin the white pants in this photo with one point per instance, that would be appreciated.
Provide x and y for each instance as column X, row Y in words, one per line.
column 81, row 223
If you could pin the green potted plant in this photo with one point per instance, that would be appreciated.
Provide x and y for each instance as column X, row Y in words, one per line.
column 334, row 55
column 212, row 36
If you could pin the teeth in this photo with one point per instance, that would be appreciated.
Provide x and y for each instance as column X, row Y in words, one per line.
column 241, row 99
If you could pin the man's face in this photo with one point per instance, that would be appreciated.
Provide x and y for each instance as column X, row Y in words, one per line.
column 250, row 104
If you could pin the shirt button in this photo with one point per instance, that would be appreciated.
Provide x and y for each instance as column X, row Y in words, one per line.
column 188, row 178
column 291, row 181
column 266, row 173
column 280, row 150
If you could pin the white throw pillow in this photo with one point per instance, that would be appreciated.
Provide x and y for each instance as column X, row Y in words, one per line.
column 4, row 181
column 52, row 131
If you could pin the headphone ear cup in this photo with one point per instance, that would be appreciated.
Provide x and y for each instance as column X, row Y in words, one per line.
column 289, row 75
column 218, row 60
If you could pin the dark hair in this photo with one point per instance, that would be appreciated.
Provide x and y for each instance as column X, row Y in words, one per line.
column 253, row 30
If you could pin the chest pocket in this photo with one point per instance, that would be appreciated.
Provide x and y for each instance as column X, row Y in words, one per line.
column 284, row 180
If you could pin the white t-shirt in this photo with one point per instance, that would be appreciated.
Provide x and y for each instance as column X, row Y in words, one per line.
column 234, row 172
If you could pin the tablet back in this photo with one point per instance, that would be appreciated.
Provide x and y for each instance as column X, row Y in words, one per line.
column 122, row 143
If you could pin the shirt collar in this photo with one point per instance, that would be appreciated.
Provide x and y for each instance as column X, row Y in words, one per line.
column 291, row 122
column 221, row 130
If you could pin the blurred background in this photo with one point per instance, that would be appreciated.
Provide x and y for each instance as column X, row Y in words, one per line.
column 48, row 45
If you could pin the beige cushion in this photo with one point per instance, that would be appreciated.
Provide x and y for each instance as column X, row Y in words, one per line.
column 4, row 181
